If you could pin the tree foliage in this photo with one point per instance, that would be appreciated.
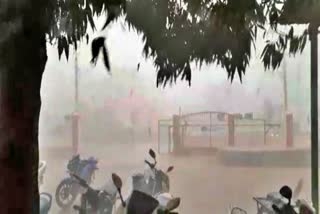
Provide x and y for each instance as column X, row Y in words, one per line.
column 178, row 32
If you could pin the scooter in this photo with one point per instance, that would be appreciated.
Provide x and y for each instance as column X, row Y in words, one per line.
column 68, row 189
column 300, row 206
column 141, row 203
column 45, row 198
column 154, row 181
column 94, row 201
column 281, row 202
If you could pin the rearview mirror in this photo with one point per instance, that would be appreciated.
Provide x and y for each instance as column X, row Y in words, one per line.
column 152, row 154
column 117, row 181
column 173, row 204
column 286, row 192
column 170, row 169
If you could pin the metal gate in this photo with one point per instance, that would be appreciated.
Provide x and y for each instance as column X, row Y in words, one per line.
column 204, row 129
column 210, row 130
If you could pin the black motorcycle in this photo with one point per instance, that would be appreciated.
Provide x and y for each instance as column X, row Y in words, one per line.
column 94, row 201
column 68, row 189
column 159, row 182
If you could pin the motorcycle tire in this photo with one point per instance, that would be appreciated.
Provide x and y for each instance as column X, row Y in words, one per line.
column 65, row 185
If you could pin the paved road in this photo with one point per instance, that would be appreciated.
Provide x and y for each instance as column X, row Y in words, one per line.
column 203, row 184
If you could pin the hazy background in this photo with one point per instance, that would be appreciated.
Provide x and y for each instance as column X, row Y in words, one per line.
column 210, row 88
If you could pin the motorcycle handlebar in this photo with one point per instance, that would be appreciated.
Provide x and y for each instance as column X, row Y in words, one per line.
column 152, row 166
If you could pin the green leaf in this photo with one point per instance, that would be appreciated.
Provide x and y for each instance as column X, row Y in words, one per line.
column 106, row 57
column 60, row 46
column 303, row 43
column 87, row 38
column 96, row 45
column 291, row 33
column 65, row 46
column 90, row 19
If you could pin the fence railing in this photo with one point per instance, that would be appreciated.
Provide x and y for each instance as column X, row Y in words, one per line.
column 212, row 124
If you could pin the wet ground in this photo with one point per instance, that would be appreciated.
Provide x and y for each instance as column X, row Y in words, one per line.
column 204, row 185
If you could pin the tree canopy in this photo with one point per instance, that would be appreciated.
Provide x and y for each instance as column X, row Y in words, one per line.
column 178, row 32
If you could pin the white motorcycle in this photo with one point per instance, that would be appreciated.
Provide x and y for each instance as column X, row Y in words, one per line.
column 153, row 181
column 141, row 203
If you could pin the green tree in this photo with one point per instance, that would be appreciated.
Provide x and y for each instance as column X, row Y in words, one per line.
column 175, row 33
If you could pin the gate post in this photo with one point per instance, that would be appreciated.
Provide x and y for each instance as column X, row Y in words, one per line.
column 75, row 132
column 230, row 122
column 289, row 130
column 177, row 144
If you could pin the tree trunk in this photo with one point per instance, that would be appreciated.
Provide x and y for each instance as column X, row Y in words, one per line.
column 22, row 62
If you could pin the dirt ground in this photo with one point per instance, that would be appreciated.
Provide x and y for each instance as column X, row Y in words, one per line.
column 203, row 185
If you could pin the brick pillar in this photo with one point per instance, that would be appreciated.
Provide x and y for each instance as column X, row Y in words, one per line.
column 177, row 144
column 289, row 130
column 75, row 132
column 231, row 129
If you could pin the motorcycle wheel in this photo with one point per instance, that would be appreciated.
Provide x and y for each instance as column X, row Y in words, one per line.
column 64, row 194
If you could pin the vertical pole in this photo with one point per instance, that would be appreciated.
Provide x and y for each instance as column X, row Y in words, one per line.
column 159, row 137
column 289, row 130
column 75, row 132
column 210, row 129
column 76, row 81
column 285, row 92
column 169, row 143
column 264, row 133
column 313, row 32
column 75, row 116
column 231, row 130
column 285, row 97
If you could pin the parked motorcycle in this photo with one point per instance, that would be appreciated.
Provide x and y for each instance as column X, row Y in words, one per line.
column 94, row 201
column 141, row 203
column 68, row 189
column 154, row 181
column 45, row 198
column 285, row 201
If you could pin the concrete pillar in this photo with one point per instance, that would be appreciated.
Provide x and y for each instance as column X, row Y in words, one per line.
column 75, row 132
column 289, row 129
column 231, row 129
column 177, row 144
